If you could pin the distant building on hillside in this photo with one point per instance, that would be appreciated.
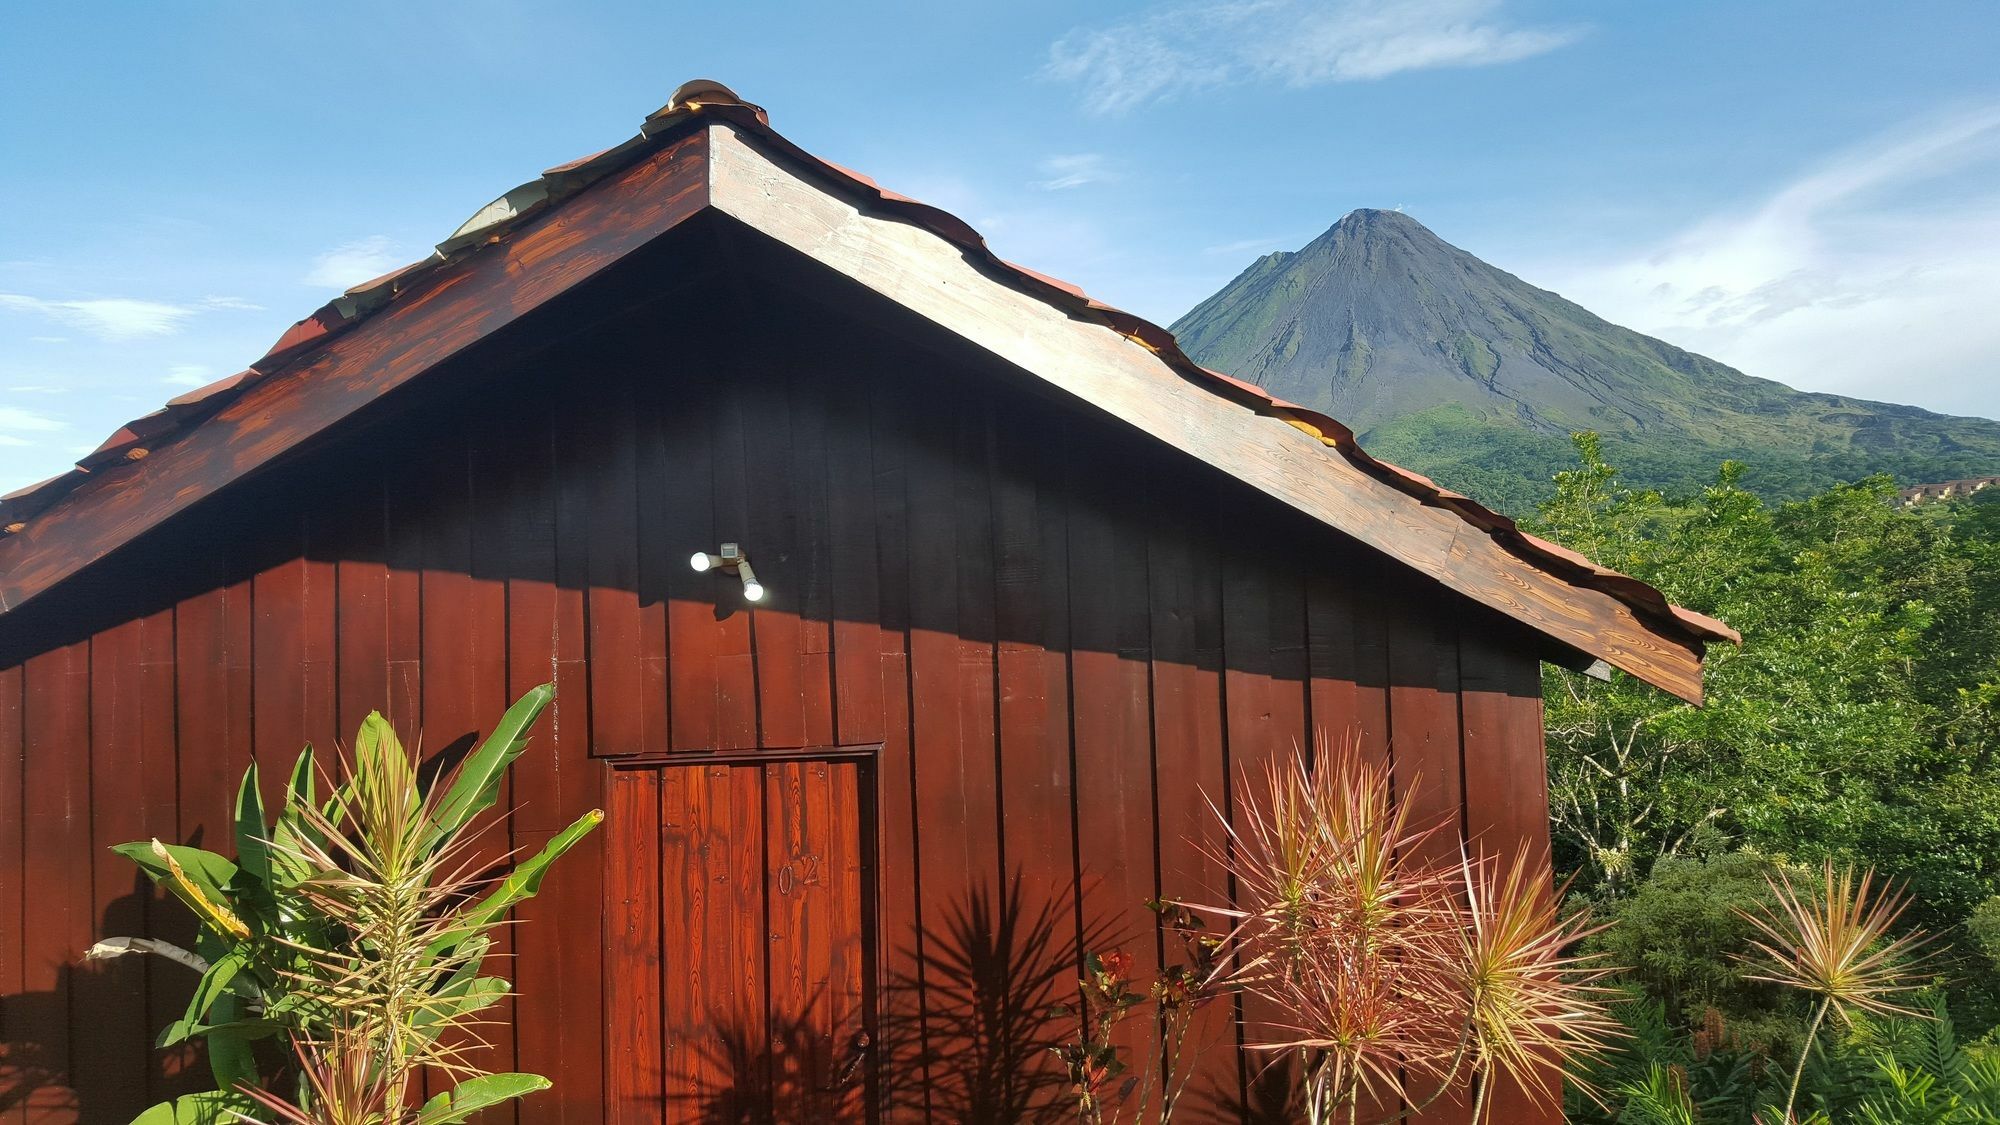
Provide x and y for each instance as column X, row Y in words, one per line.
column 1925, row 493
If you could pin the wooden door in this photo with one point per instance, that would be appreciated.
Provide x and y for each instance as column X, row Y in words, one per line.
column 740, row 986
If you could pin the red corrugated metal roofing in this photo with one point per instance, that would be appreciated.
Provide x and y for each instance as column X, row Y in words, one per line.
column 700, row 97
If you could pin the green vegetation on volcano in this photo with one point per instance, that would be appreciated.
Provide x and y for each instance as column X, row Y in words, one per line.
column 1448, row 365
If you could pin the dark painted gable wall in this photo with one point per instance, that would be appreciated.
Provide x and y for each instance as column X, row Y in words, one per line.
column 1065, row 640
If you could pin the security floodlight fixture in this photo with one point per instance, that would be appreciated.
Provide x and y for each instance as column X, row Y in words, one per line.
column 731, row 558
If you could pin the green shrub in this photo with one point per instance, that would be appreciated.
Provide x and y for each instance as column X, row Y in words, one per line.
column 1983, row 928
column 1893, row 1071
column 1678, row 935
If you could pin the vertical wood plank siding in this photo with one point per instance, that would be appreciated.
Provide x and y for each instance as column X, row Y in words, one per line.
column 1067, row 643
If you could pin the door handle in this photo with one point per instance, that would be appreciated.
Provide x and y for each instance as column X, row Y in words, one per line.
column 857, row 1050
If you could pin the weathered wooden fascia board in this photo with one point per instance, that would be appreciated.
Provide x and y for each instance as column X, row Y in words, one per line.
column 931, row 277
column 451, row 309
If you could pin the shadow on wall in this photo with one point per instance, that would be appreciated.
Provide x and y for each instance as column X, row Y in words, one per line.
column 965, row 1035
column 970, row 1034
column 33, row 1074
column 795, row 1073
column 46, row 1058
column 483, row 495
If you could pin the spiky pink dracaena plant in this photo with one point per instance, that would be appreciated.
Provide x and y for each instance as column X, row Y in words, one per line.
column 1397, row 975
column 1833, row 941
column 1534, row 1009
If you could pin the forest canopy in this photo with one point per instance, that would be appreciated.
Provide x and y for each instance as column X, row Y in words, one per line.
column 1857, row 723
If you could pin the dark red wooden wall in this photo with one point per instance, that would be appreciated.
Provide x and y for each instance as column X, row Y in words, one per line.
column 1066, row 640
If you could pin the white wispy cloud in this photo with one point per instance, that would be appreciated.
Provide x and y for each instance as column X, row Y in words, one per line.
column 16, row 420
column 352, row 263
column 1874, row 273
column 1074, row 170
column 1181, row 49
column 189, row 375
column 113, row 318
column 231, row 304
column 1245, row 245
column 37, row 389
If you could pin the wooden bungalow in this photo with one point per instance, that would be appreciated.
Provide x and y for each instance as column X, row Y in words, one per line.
column 1035, row 588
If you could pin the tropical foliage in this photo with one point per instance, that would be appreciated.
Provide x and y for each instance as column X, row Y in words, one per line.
column 1857, row 722
column 1856, row 728
column 1390, row 968
column 1680, row 937
column 1879, row 1071
column 351, row 932
column 1832, row 938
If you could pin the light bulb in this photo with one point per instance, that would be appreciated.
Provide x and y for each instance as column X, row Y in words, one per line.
column 753, row 591
column 701, row 561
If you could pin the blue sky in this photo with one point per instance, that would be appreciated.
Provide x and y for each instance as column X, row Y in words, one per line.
column 1805, row 190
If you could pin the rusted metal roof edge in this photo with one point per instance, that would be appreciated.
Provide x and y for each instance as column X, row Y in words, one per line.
column 694, row 100
column 137, row 438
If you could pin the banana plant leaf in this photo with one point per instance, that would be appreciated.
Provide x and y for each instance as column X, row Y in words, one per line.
column 457, row 1001
column 195, row 883
column 477, row 785
column 382, row 772
column 290, row 832
column 301, row 786
column 475, row 1094
column 210, row 1107
column 468, row 957
column 205, row 869
column 521, row 884
column 230, row 1056
column 185, row 1030
column 223, row 976
column 253, row 849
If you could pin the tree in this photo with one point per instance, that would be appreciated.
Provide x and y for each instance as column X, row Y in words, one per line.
column 1856, row 723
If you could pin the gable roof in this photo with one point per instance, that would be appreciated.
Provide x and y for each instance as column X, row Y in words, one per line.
column 707, row 149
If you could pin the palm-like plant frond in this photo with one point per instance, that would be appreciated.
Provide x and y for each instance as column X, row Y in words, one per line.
column 1659, row 1097
column 1536, row 1010
column 1335, row 924
column 340, row 1084
column 1360, row 1017
column 1834, row 941
column 1396, row 973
